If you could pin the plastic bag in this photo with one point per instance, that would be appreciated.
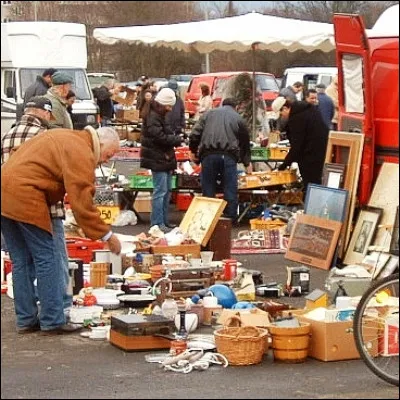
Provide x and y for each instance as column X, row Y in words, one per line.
column 125, row 217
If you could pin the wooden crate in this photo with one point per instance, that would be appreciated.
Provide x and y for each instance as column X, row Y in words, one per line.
column 262, row 179
column 137, row 343
column 181, row 250
column 278, row 153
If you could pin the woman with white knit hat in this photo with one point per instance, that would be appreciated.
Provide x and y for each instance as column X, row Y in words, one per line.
column 158, row 155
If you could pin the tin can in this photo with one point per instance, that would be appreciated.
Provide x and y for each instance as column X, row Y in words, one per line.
column 230, row 269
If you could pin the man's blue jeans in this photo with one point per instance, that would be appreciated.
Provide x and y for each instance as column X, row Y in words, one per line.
column 213, row 167
column 62, row 258
column 161, row 196
column 33, row 255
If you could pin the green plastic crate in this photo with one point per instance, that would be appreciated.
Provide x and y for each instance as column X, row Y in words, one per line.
column 259, row 153
column 146, row 182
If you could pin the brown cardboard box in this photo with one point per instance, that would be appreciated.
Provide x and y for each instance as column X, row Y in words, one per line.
column 126, row 97
column 131, row 115
column 253, row 317
column 143, row 204
column 334, row 341
column 134, row 136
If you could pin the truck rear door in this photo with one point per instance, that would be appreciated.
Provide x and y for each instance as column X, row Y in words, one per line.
column 355, row 91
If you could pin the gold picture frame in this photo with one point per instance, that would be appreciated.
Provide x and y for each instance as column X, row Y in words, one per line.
column 201, row 218
column 313, row 241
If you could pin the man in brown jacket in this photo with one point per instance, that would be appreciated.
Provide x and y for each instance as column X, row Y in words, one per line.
column 36, row 176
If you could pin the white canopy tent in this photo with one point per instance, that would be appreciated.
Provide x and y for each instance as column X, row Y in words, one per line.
column 231, row 33
column 240, row 33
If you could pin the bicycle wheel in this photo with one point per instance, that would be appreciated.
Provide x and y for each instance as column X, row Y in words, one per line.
column 376, row 328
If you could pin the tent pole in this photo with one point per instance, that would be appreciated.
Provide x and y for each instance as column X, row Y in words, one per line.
column 253, row 53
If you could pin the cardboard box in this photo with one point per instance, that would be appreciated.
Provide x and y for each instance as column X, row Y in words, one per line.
column 334, row 341
column 125, row 97
column 143, row 204
column 134, row 136
column 253, row 317
column 131, row 115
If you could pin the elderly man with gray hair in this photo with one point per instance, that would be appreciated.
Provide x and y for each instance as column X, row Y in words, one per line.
column 37, row 176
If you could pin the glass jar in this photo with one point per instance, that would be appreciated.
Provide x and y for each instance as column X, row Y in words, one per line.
column 169, row 308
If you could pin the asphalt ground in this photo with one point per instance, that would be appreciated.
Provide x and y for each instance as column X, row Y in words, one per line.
column 71, row 366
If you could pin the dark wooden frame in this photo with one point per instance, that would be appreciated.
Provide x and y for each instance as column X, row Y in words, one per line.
column 334, row 168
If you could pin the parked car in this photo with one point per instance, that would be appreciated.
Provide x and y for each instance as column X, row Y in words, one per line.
column 217, row 81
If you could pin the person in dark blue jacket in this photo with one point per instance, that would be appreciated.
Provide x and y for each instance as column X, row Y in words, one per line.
column 325, row 105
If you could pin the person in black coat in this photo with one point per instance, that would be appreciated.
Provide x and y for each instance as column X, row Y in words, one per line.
column 308, row 137
column 40, row 86
column 158, row 155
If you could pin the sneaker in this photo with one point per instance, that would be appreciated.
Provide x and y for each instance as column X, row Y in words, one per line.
column 28, row 329
column 171, row 226
column 63, row 329
column 164, row 229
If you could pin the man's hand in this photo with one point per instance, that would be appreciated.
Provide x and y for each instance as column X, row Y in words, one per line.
column 282, row 167
column 249, row 169
column 114, row 244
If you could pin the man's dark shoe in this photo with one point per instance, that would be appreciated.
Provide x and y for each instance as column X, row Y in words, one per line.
column 28, row 329
column 63, row 329
column 171, row 226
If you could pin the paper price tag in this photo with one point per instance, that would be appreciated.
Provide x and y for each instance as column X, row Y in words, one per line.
column 108, row 213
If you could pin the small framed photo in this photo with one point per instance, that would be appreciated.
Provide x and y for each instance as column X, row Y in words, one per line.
column 313, row 241
column 326, row 202
column 394, row 242
column 363, row 234
column 334, row 175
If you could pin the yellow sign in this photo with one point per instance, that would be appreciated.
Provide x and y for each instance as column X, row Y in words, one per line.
column 108, row 213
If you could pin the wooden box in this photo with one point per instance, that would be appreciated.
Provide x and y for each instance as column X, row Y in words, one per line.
column 181, row 250
column 137, row 343
column 263, row 179
column 220, row 241
column 278, row 153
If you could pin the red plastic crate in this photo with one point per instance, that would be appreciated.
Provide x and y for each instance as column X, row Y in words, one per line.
column 183, row 201
column 83, row 248
column 182, row 153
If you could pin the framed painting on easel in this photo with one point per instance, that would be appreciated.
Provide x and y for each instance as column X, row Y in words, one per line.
column 346, row 148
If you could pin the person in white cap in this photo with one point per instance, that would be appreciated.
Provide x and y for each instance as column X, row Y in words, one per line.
column 308, row 136
column 158, row 155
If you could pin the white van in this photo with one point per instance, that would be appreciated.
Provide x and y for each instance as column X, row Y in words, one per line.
column 27, row 49
column 310, row 76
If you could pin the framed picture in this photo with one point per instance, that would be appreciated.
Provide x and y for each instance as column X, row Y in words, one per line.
column 201, row 218
column 363, row 234
column 313, row 241
column 326, row 202
column 394, row 242
column 333, row 175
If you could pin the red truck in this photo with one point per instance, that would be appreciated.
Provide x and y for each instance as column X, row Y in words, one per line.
column 368, row 73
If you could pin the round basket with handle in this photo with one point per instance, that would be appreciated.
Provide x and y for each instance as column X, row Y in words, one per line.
column 241, row 345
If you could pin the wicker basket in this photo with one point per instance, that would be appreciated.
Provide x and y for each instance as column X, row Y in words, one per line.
column 241, row 345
